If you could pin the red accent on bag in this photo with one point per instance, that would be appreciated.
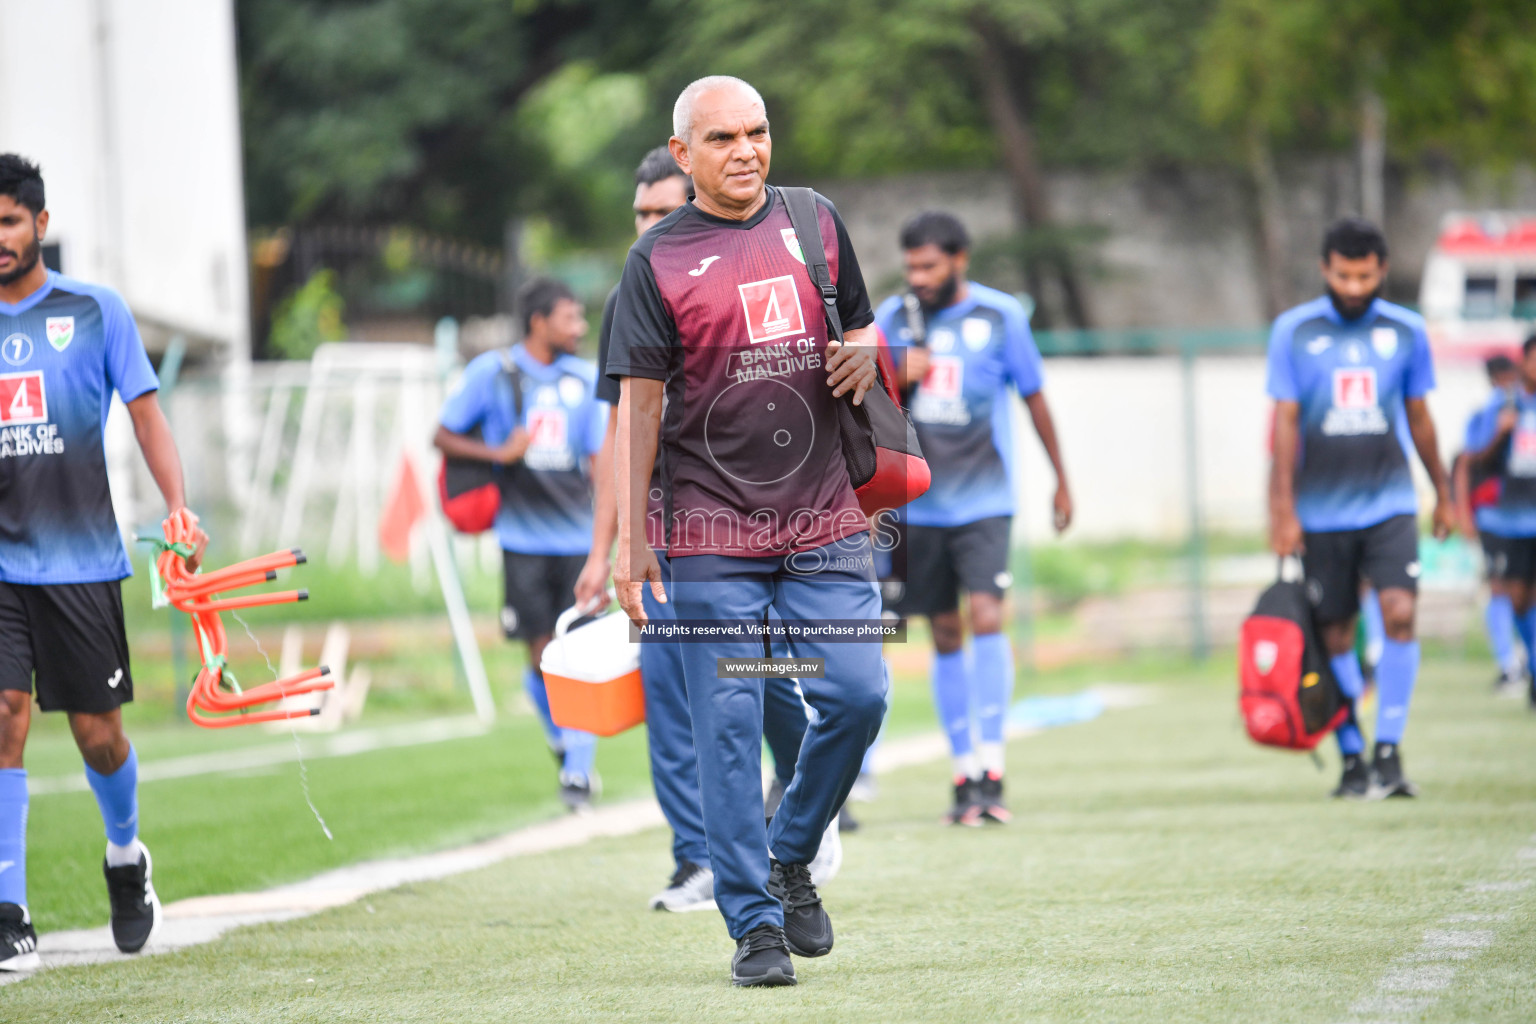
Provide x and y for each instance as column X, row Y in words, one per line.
column 1270, row 699
column 471, row 511
column 1487, row 493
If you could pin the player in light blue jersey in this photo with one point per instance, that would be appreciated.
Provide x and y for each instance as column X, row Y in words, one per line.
column 1348, row 372
column 960, row 347
column 1501, row 449
column 65, row 347
column 535, row 414
column 1478, row 487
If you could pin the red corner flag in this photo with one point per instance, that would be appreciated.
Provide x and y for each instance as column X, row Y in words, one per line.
column 402, row 512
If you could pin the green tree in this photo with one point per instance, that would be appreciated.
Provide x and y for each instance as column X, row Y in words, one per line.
column 412, row 110
column 309, row 316
column 879, row 86
column 1403, row 78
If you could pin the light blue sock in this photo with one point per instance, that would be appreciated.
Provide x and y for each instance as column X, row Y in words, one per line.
column 1375, row 626
column 952, row 700
column 993, row 675
column 580, row 753
column 13, row 835
column 1346, row 669
column 1395, row 676
column 1500, row 619
column 533, row 685
column 1525, row 625
column 117, row 797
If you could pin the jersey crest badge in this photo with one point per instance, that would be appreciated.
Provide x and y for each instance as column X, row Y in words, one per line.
column 60, row 331
column 976, row 333
column 1384, row 341
column 792, row 244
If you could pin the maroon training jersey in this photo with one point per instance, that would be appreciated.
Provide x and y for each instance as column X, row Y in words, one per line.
column 725, row 312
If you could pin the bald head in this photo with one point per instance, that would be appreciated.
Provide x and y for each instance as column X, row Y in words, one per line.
column 683, row 117
column 722, row 143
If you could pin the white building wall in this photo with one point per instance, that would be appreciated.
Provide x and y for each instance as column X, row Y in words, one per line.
column 131, row 108
column 1122, row 430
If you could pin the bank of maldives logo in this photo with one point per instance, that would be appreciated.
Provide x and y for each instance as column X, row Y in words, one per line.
column 60, row 331
column 772, row 308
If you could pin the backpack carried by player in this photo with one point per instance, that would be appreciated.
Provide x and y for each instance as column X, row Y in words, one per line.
column 885, row 462
column 470, row 489
column 1288, row 695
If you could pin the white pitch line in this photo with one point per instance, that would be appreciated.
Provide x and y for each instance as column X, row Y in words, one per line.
column 245, row 759
column 201, row 919
column 1414, row 983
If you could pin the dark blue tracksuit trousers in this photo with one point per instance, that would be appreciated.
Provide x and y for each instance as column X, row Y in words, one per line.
column 728, row 713
column 669, row 732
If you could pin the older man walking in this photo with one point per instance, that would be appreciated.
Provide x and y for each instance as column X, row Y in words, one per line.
column 720, row 348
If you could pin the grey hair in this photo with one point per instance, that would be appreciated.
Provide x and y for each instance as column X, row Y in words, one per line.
column 682, row 110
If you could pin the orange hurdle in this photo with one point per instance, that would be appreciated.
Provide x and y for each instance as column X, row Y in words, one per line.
column 217, row 700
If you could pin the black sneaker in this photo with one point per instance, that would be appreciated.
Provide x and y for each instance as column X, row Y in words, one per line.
column 135, row 907
column 18, row 940
column 807, row 928
column 576, row 793
column 967, row 808
column 1388, row 779
column 989, row 797
column 762, row 958
column 1355, row 783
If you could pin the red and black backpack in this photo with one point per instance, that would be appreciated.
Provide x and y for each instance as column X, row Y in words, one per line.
column 1288, row 695
column 885, row 462
column 470, row 489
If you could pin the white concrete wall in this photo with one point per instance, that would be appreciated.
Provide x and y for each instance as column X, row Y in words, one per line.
column 131, row 108
column 1121, row 424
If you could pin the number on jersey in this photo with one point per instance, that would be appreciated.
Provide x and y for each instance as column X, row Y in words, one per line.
column 22, row 399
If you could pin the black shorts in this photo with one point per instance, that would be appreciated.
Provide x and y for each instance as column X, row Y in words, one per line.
column 538, row 589
column 1509, row 559
column 70, row 636
column 1336, row 563
column 943, row 560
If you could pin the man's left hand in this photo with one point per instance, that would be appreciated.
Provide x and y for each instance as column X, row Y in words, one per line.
column 1445, row 518
column 851, row 367
column 1061, row 509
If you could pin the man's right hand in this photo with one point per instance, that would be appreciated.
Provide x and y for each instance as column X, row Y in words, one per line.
column 637, row 566
column 513, row 448
column 1284, row 532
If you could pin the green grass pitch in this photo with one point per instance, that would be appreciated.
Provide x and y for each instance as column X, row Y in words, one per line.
column 1160, row 868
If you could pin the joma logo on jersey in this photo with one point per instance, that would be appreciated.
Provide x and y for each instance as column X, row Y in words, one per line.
column 1354, row 388
column 772, row 308
column 22, row 399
